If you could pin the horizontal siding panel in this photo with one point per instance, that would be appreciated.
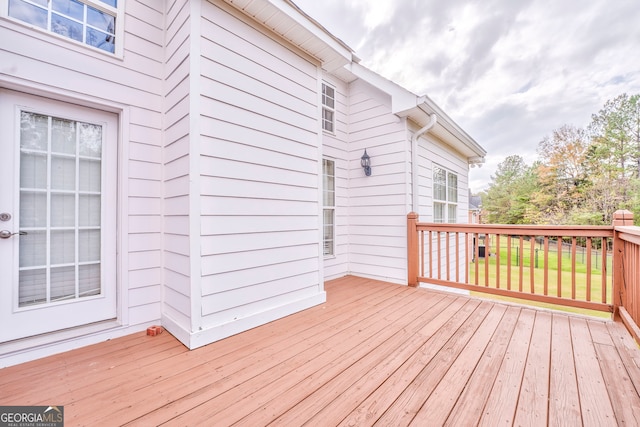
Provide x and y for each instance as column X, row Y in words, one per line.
column 144, row 205
column 389, row 241
column 257, row 275
column 142, row 296
column 217, row 131
column 145, row 313
column 218, row 110
column 145, row 277
column 177, row 262
column 378, row 231
column 238, row 170
column 216, row 264
column 278, row 90
column 145, row 223
column 234, row 243
column 211, row 90
column 229, row 206
column 145, row 170
column 177, row 243
column 177, row 224
column 398, row 275
column 215, row 186
column 145, row 135
column 177, row 301
column 178, row 205
column 179, row 283
column 374, row 201
column 254, row 45
column 177, row 186
column 144, row 260
column 239, row 312
column 176, row 168
column 145, row 242
column 147, row 10
column 382, row 261
column 143, row 29
column 251, row 294
column 255, row 155
column 213, row 225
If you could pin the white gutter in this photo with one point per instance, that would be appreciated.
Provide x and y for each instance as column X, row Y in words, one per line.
column 415, row 172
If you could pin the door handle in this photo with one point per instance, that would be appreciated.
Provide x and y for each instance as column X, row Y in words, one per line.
column 5, row 234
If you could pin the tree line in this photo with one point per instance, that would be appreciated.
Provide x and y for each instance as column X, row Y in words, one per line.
column 582, row 175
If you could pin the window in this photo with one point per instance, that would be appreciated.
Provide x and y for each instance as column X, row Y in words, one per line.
column 328, row 108
column 445, row 195
column 91, row 22
column 329, row 206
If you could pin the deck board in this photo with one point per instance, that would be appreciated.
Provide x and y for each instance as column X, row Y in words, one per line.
column 374, row 354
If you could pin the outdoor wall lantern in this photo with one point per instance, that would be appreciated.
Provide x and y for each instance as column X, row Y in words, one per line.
column 365, row 162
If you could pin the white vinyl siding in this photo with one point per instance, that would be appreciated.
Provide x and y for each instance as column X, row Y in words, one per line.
column 259, row 166
column 377, row 203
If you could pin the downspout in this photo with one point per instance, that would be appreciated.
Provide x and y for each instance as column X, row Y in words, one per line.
column 415, row 170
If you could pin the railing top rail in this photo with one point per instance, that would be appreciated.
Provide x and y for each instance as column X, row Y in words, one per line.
column 526, row 230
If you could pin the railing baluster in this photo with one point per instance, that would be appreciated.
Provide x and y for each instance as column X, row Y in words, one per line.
column 559, row 284
column 574, row 244
column 546, row 265
column 498, row 261
column 476, row 255
column 588, row 268
column 532, row 241
column 603, row 271
column 487, row 253
column 439, row 258
column 521, row 262
column 457, row 257
column 422, row 249
column 509, row 261
column 447, row 236
column 430, row 254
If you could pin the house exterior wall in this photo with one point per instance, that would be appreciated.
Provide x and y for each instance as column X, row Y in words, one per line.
column 44, row 64
column 377, row 203
column 335, row 146
column 258, row 183
column 432, row 151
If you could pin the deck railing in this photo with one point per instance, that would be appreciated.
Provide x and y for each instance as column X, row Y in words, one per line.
column 587, row 267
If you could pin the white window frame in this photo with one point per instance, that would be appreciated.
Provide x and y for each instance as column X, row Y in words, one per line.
column 117, row 12
column 450, row 200
column 328, row 208
column 328, row 108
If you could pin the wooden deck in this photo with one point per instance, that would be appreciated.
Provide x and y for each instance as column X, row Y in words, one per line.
column 375, row 353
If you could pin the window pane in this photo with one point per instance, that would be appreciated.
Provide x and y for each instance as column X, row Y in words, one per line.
column 328, row 218
column 71, row 8
column 32, row 287
column 63, row 173
column 90, row 179
column 453, row 188
column 63, row 136
column 63, row 283
column 438, row 212
column 328, row 96
column 33, row 209
column 90, row 140
column 29, row 13
column 89, row 211
column 66, row 27
column 63, row 246
column 89, row 245
column 100, row 20
column 327, row 120
column 101, row 40
column 112, row 3
column 34, row 131
column 63, row 210
column 328, row 183
column 33, row 171
column 89, row 278
column 33, row 249
column 453, row 213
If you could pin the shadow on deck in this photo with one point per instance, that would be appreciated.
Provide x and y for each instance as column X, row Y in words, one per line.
column 374, row 353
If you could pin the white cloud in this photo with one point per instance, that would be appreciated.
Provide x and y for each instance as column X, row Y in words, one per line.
column 508, row 71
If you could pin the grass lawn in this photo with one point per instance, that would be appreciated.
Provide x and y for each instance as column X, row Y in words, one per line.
column 538, row 278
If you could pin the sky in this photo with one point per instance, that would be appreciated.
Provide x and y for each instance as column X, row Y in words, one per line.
column 509, row 72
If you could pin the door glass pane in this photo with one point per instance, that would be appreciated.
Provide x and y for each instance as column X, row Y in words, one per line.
column 89, row 279
column 89, row 241
column 63, row 173
column 90, row 175
column 33, row 170
column 63, row 283
column 63, row 136
column 63, row 210
column 33, row 249
column 63, row 246
column 60, row 191
column 32, row 287
column 33, row 209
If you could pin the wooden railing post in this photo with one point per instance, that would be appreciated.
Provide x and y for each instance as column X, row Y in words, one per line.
column 413, row 258
column 620, row 218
